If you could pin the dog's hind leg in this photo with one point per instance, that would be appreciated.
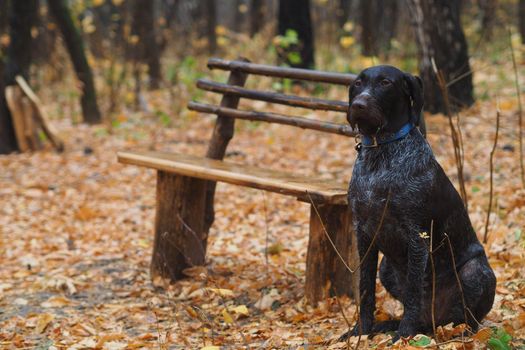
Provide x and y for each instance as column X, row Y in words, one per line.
column 479, row 286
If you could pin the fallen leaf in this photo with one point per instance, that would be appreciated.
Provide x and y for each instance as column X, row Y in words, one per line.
column 227, row 317
column 222, row 292
column 43, row 321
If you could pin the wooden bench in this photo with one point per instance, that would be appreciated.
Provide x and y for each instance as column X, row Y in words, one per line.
column 186, row 183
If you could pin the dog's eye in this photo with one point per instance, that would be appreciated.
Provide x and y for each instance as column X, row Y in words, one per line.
column 357, row 83
column 385, row 82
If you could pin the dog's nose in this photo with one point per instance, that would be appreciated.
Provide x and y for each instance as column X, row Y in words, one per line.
column 359, row 104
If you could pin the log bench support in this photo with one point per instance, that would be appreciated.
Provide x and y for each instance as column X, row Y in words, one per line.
column 326, row 275
column 180, row 237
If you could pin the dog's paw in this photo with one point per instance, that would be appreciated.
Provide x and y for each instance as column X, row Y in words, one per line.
column 354, row 332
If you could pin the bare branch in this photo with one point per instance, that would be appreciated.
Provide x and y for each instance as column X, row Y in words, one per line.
column 489, row 209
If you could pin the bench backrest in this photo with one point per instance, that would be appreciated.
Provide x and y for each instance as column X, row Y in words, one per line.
column 234, row 89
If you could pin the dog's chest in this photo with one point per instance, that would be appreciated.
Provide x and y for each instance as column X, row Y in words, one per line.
column 396, row 181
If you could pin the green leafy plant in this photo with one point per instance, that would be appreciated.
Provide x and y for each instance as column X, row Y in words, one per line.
column 421, row 341
column 500, row 340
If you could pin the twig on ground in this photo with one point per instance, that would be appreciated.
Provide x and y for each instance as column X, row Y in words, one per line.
column 267, row 231
column 348, row 324
column 520, row 107
column 491, row 191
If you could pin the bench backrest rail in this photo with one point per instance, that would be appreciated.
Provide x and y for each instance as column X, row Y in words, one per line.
column 282, row 72
column 274, row 97
column 305, row 123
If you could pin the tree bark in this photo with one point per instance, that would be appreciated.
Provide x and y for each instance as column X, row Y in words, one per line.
column 75, row 47
column 256, row 17
column 488, row 17
column 147, row 48
column 295, row 15
column 22, row 17
column 378, row 22
column 521, row 12
column 343, row 12
column 211, row 23
column 440, row 39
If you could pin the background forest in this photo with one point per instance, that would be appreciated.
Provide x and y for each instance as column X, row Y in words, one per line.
column 76, row 226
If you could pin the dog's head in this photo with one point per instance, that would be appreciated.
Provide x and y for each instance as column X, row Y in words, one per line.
column 383, row 99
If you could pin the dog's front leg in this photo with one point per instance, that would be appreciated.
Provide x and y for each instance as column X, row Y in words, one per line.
column 417, row 263
column 367, row 284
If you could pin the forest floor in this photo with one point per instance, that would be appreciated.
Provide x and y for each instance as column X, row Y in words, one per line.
column 77, row 232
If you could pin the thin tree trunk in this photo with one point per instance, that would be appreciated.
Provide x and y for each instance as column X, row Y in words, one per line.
column 211, row 23
column 378, row 22
column 22, row 18
column 148, row 48
column 488, row 19
column 441, row 41
column 343, row 12
column 4, row 7
column 256, row 17
column 368, row 27
column 75, row 47
column 521, row 11
column 295, row 15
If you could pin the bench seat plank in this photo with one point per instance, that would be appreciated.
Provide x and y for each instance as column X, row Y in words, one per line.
column 323, row 191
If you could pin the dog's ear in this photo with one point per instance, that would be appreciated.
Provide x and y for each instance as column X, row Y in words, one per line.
column 415, row 93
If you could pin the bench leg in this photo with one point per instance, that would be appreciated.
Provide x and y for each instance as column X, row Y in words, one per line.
column 325, row 272
column 180, row 238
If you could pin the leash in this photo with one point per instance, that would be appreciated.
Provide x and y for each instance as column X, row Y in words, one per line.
column 377, row 140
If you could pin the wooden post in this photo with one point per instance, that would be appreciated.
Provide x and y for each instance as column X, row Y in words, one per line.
column 325, row 273
column 222, row 134
column 180, row 238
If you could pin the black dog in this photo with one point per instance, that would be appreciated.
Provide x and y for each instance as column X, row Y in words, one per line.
column 402, row 201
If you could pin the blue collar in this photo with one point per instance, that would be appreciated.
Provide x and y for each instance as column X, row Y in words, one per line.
column 374, row 141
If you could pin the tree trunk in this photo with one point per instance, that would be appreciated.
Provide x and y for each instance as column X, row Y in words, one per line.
column 256, row 17
column 440, row 39
column 488, row 17
column 378, row 21
column 368, row 28
column 521, row 11
column 21, row 19
column 147, row 48
column 295, row 15
column 211, row 23
column 343, row 12
column 4, row 7
column 75, row 47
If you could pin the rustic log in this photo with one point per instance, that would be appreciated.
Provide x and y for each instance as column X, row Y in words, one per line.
column 40, row 114
column 305, row 123
column 180, row 239
column 274, row 97
column 30, row 125
column 325, row 272
column 13, row 96
column 222, row 134
column 281, row 72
